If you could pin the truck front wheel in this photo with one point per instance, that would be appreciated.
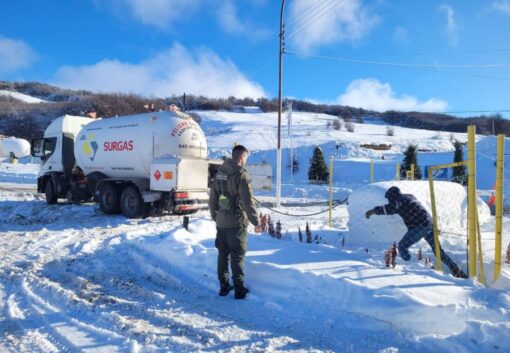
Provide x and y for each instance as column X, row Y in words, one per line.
column 131, row 203
column 108, row 198
column 51, row 194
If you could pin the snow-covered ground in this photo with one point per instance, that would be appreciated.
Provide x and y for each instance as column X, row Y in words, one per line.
column 73, row 279
column 22, row 97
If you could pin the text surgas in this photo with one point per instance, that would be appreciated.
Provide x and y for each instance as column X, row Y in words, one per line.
column 110, row 146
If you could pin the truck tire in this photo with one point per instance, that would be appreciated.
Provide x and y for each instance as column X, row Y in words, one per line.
column 108, row 198
column 131, row 203
column 92, row 180
column 50, row 192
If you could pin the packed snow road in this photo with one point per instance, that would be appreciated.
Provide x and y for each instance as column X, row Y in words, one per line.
column 73, row 279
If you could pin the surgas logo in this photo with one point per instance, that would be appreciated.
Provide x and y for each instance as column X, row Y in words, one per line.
column 111, row 146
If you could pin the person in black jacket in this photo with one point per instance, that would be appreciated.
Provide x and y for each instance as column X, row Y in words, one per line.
column 418, row 223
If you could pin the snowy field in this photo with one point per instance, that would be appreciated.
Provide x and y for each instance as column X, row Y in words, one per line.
column 75, row 280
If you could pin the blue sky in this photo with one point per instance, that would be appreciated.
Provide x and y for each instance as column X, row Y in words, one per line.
column 444, row 56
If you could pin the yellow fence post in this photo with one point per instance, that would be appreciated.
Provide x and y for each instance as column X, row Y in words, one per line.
column 433, row 208
column 500, row 164
column 472, row 200
column 412, row 171
column 439, row 265
column 397, row 177
column 480, row 254
column 330, row 189
column 371, row 171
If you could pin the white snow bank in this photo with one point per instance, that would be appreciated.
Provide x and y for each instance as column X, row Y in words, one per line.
column 451, row 204
column 22, row 173
column 290, row 277
column 22, row 97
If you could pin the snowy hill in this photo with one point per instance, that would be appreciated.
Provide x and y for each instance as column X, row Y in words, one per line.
column 21, row 97
column 74, row 279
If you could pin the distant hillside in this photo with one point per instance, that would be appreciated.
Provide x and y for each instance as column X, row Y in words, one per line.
column 28, row 120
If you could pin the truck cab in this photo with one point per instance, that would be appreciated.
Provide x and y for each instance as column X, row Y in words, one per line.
column 56, row 150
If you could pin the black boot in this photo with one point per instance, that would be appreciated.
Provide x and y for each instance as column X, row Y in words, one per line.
column 225, row 288
column 241, row 292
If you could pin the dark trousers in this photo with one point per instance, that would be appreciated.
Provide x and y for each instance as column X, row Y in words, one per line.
column 231, row 242
column 413, row 236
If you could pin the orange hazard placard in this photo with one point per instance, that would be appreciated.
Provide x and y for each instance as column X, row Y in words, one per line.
column 168, row 175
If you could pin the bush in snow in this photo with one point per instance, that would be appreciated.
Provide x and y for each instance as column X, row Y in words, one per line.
column 318, row 171
column 410, row 157
column 459, row 173
column 349, row 126
column 337, row 125
column 390, row 131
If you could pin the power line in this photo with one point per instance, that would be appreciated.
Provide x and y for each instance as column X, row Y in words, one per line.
column 396, row 64
column 260, row 55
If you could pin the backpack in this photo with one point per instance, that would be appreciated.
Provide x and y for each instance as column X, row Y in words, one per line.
column 226, row 202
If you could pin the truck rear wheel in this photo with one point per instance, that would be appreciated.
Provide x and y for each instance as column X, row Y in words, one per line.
column 131, row 203
column 108, row 199
column 50, row 192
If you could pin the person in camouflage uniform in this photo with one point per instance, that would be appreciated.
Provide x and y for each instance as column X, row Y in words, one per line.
column 232, row 206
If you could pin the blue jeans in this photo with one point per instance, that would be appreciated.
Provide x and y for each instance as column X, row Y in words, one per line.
column 413, row 236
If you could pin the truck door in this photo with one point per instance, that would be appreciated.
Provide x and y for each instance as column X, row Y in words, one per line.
column 48, row 156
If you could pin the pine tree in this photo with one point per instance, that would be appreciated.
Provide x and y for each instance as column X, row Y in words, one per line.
column 459, row 173
column 300, row 235
column 278, row 232
column 308, row 233
column 410, row 157
column 294, row 165
column 318, row 171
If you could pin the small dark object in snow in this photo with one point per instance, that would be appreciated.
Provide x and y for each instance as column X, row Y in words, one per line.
column 393, row 253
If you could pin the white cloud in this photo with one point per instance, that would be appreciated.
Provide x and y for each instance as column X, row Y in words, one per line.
column 502, row 6
column 229, row 20
column 401, row 35
column 173, row 71
column 228, row 17
column 15, row 55
column 372, row 94
column 451, row 24
column 156, row 13
column 313, row 23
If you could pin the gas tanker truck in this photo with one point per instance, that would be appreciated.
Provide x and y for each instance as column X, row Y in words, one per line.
column 136, row 165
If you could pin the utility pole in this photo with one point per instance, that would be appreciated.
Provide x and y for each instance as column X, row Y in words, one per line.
column 279, row 151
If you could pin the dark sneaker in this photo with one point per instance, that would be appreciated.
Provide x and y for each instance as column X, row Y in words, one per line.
column 457, row 272
column 241, row 292
column 225, row 289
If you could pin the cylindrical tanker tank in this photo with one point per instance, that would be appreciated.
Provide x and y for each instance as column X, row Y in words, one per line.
column 124, row 147
column 18, row 147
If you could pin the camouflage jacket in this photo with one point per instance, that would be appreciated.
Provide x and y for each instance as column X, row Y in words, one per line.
column 231, row 199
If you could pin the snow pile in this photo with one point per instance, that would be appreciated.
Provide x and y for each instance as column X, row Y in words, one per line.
column 22, row 97
column 24, row 172
column 352, row 171
column 451, row 205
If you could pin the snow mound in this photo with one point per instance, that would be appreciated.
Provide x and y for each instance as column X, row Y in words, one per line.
column 22, row 97
column 451, row 210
